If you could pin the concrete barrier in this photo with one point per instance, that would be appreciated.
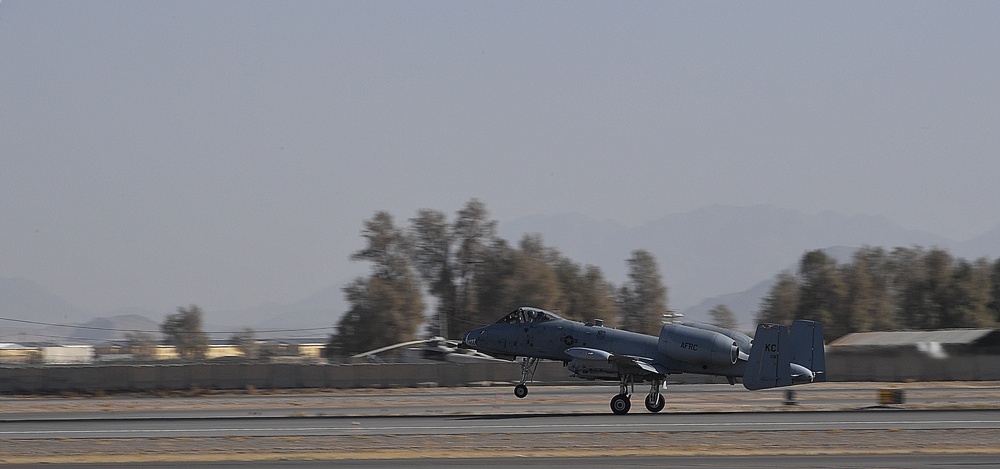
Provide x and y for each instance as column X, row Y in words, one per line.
column 887, row 367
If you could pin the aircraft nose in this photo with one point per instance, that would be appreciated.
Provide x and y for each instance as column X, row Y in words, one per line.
column 471, row 337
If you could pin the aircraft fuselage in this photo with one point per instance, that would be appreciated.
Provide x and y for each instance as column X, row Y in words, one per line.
column 783, row 356
column 552, row 337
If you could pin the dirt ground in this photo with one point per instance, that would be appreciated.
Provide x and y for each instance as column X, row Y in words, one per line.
column 465, row 446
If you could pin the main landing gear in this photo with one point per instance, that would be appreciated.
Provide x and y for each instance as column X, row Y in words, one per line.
column 620, row 404
column 528, row 367
column 654, row 400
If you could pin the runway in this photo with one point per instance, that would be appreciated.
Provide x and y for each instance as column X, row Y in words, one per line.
column 570, row 425
column 501, row 424
column 588, row 398
column 704, row 462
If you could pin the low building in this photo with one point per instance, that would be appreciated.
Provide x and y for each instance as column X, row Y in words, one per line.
column 18, row 354
column 67, row 354
column 940, row 342
column 938, row 355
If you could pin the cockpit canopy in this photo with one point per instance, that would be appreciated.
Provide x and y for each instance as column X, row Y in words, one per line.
column 527, row 315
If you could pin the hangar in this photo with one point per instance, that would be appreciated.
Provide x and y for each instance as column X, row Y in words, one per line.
column 937, row 355
column 949, row 341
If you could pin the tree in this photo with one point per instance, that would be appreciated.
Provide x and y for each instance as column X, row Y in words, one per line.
column 969, row 295
column 540, row 276
column 386, row 307
column 994, row 304
column 388, row 248
column 474, row 233
column 246, row 341
column 937, row 266
column 909, row 288
column 643, row 298
column 587, row 295
column 533, row 282
column 381, row 314
column 867, row 302
column 908, row 281
column 723, row 317
column 870, row 298
column 782, row 302
column 493, row 282
column 449, row 257
column 183, row 330
column 141, row 345
column 477, row 277
column 822, row 293
column 433, row 259
column 506, row 278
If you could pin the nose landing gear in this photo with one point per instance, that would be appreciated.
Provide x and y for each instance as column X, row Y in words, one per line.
column 528, row 367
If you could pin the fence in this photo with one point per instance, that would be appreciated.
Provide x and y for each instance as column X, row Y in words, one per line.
column 235, row 376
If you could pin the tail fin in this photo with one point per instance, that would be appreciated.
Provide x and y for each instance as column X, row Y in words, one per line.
column 783, row 356
column 807, row 348
column 766, row 367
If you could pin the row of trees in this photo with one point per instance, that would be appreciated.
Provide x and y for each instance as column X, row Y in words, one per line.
column 906, row 288
column 184, row 331
column 475, row 277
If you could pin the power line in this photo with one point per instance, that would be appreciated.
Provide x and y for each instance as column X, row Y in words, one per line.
column 34, row 335
column 39, row 323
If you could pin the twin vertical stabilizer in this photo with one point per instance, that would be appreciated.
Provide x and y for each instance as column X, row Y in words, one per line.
column 783, row 356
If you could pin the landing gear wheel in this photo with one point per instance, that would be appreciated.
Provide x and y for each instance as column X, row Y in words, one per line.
column 520, row 391
column 620, row 404
column 657, row 405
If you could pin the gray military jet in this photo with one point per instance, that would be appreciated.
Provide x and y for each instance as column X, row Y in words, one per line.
column 776, row 356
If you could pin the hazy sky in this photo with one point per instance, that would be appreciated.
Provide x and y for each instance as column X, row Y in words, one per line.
column 156, row 154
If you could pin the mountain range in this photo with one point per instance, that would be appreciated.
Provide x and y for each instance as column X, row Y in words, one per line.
column 714, row 255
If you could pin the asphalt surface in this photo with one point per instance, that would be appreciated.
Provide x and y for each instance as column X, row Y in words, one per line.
column 501, row 424
column 592, row 398
column 701, row 462
column 829, row 425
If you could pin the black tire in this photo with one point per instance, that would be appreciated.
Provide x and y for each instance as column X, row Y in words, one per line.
column 520, row 391
column 655, row 406
column 620, row 404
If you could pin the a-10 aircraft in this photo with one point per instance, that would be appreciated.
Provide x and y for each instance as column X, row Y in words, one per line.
column 776, row 356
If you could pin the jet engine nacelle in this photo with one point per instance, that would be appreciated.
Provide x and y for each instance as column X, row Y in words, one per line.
column 700, row 346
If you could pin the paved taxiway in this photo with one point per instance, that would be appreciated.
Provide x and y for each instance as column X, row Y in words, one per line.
column 701, row 462
column 502, row 424
column 588, row 398
column 959, row 420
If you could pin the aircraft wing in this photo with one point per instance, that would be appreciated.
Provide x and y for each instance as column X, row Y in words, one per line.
column 584, row 353
column 625, row 364
column 634, row 365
